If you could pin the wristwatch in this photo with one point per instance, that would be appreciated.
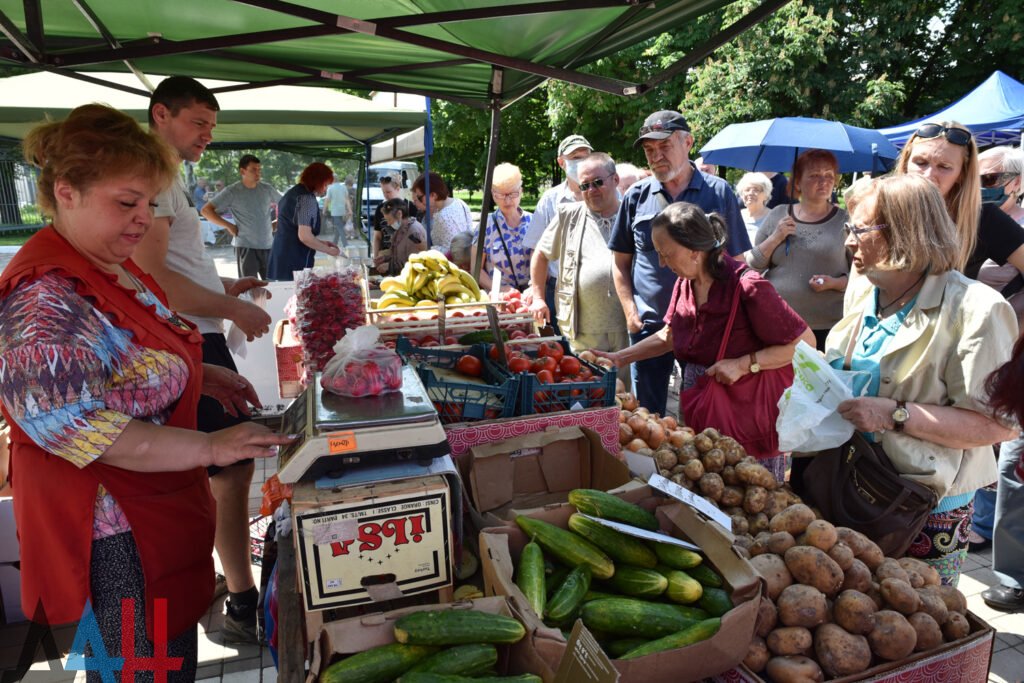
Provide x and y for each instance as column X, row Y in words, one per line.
column 755, row 367
column 900, row 416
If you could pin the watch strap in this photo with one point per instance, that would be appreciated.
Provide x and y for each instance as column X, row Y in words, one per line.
column 901, row 407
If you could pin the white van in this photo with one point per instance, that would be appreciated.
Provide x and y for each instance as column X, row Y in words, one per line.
column 393, row 170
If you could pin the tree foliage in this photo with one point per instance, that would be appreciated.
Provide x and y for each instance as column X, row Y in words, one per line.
column 279, row 168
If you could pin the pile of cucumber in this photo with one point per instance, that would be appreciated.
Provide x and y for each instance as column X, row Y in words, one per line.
column 436, row 646
column 637, row 597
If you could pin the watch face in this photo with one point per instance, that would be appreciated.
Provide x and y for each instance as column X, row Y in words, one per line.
column 756, row 367
column 901, row 415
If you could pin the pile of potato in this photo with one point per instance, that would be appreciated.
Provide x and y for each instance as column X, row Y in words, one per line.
column 835, row 605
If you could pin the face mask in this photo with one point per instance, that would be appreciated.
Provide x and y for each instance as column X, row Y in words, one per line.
column 572, row 168
column 395, row 225
column 993, row 195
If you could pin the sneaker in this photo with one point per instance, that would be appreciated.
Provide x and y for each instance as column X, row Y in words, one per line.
column 240, row 625
column 1004, row 598
column 220, row 587
column 977, row 543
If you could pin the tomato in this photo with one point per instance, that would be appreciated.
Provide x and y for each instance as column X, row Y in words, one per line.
column 470, row 366
column 545, row 377
column 533, row 335
column 546, row 363
column 585, row 375
column 519, row 364
column 596, row 394
column 456, row 314
column 517, row 334
column 569, row 365
column 426, row 339
column 450, row 340
column 398, row 319
column 551, row 350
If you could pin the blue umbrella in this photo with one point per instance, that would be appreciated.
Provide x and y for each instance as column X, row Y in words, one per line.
column 774, row 144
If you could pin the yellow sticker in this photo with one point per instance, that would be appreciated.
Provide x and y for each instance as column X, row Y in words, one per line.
column 341, row 442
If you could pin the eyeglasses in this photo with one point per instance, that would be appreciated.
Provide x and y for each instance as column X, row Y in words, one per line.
column 852, row 229
column 956, row 136
column 418, row 197
column 506, row 195
column 594, row 184
column 996, row 179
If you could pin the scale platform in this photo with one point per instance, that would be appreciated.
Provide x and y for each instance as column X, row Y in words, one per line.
column 335, row 432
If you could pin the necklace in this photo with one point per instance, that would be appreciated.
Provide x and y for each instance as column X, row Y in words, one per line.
column 881, row 309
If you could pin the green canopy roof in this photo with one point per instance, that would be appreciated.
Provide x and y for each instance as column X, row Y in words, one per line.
column 443, row 48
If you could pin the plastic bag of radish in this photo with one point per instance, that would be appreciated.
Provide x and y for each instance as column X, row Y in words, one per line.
column 328, row 303
column 362, row 368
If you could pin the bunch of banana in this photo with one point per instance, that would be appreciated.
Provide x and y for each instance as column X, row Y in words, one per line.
column 427, row 277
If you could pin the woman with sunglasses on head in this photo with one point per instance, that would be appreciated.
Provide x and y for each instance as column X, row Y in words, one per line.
column 924, row 339
column 506, row 230
column 945, row 154
column 799, row 247
column 449, row 215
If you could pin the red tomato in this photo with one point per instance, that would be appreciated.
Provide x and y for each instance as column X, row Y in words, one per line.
column 450, row 340
column 427, row 338
column 569, row 365
column 517, row 334
column 470, row 366
column 545, row 377
column 519, row 364
column 546, row 363
column 596, row 394
column 456, row 314
column 492, row 352
column 398, row 319
column 585, row 375
column 551, row 350
column 533, row 335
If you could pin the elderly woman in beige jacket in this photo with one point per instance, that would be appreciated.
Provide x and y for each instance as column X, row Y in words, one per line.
column 926, row 338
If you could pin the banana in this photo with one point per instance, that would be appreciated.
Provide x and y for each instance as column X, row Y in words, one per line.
column 391, row 283
column 426, row 303
column 388, row 301
column 418, row 266
column 452, row 300
column 469, row 282
column 421, row 279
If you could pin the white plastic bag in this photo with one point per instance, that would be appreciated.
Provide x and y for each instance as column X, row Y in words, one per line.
column 360, row 367
column 808, row 420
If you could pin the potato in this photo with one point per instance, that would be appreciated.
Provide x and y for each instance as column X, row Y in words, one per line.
column 740, row 525
column 758, row 655
column 711, row 486
column 703, row 443
column 857, row 541
column 793, row 519
column 790, row 640
column 927, row 572
column 875, row 593
column 933, row 605
column 693, row 470
column 713, row 460
column 857, row 577
column 842, row 555
column 687, row 453
column 758, row 523
column 796, row 669
column 744, row 542
column 956, row 627
column 871, row 556
column 665, row 473
column 774, row 571
column 853, row 611
column 820, row 534
column 778, row 500
column 732, row 449
column 841, row 653
column 767, row 617
column 756, row 474
column 811, row 566
column 731, row 495
column 754, row 499
column 730, row 478
column 916, row 580
column 680, row 478
column 780, row 542
column 954, row 599
column 893, row 637
column 900, row 596
column 678, row 469
column 665, row 458
column 800, row 605
column 929, row 635
column 891, row 569
column 712, row 433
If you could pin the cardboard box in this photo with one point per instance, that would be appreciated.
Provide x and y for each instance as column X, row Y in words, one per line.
column 288, row 355
column 521, row 474
column 963, row 661
column 372, row 542
column 604, row 421
column 500, row 548
column 351, row 636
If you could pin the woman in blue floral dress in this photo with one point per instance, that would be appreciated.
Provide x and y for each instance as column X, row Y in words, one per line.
column 506, row 229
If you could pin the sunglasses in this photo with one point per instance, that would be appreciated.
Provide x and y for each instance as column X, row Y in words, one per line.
column 996, row 179
column 593, row 184
column 956, row 136
column 852, row 229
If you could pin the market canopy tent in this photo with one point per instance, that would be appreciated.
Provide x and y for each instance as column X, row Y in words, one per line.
column 256, row 119
column 994, row 112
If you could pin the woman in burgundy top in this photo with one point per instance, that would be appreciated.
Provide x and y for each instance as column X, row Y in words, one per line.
column 765, row 331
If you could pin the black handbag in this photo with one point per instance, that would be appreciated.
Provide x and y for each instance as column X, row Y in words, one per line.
column 856, row 486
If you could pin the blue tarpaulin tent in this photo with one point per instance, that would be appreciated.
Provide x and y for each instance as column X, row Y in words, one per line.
column 994, row 111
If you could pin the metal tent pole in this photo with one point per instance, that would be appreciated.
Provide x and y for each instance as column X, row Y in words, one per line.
column 492, row 156
column 428, row 149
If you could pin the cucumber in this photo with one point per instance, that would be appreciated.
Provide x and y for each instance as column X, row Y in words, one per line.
column 619, row 546
column 457, row 627
column 567, row 547
column 569, row 595
column 461, row 660
column 481, row 336
column 606, row 506
column 554, row 580
column 376, row 665
column 692, row 613
column 688, row 636
column 706, row 576
column 682, row 588
column 424, row 677
column 676, row 557
column 598, row 595
column 629, row 618
column 530, row 576
column 638, row 582
column 619, row 647
column 715, row 601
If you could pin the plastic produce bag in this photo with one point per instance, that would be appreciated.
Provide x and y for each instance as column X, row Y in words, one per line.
column 808, row 418
column 362, row 368
column 328, row 301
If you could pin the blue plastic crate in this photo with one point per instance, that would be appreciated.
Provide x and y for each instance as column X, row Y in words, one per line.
column 458, row 401
column 535, row 397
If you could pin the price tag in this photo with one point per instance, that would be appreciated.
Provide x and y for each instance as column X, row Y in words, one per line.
column 643, row 533
column 698, row 503
column 584, row 661
column 341, row 442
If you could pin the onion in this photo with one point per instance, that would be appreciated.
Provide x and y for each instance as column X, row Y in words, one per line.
column 638, row 425
column 620, row 387
column 628, row 401
column 669, row 423
column 655, row 434
column 679, row 438
column 625, row 434
column 642, row 412
column 636, row 445
column 624, row 415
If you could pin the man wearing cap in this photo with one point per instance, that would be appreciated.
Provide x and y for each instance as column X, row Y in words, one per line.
column 643, row 286
column 571, row 151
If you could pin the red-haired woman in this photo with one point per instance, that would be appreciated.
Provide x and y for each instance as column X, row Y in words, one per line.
column 298, row 224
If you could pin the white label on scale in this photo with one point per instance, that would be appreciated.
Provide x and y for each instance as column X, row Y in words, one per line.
column 698, row 503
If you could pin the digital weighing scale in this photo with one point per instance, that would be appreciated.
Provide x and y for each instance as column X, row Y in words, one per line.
column 335, row 432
